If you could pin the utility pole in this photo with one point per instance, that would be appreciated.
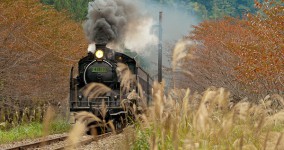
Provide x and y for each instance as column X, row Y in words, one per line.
column 160, row 48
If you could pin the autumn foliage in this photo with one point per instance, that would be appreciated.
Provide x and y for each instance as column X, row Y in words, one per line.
column 38, row 45
column 246, row 54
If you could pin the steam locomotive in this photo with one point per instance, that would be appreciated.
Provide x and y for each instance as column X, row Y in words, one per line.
column 101, row 67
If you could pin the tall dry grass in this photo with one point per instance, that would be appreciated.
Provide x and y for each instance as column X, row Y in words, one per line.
column 126, row 78
column 14, row 115
column 81, row 127
column 186, row 120
column 83, row 119
column 95, row 90
column 181, row 119
column 48, row 118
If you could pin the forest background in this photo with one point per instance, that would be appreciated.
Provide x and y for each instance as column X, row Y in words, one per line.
column 205, row 9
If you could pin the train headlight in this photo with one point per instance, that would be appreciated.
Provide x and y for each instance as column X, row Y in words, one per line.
column 99, row 54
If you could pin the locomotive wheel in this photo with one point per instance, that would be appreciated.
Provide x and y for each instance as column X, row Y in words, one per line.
column 123, row 121
column 130, row 116
column 119, row 123
column 96, row 130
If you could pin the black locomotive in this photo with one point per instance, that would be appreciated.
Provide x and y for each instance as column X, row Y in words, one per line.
column 100, row 67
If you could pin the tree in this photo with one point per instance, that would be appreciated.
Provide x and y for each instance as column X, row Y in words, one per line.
column 222, row 8
column 199, row 9
column 205, row 9
column 77, row 8
column 37, row 45
column 262, row 49
column 48, row 2
column 256, row 43
column 212, row 64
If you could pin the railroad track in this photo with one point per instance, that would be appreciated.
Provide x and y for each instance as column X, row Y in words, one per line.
column 85, row 142
column 39, row 143
column 44, row 143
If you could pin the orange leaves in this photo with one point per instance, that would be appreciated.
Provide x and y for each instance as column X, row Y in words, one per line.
column 257, row 43
column 30, row 21
column 36, row 46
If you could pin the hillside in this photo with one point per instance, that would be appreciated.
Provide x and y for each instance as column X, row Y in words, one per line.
column 242, row 55
column 38, row 45
column 204, row 9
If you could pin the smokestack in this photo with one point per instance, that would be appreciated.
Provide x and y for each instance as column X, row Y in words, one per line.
column 101, row 46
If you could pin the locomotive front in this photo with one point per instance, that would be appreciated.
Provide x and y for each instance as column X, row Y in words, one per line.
column 99, row 67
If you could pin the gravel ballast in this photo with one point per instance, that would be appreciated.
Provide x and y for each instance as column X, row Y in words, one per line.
column 113, row 142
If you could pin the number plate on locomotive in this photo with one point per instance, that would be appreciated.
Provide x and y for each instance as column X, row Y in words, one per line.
column 99, row 69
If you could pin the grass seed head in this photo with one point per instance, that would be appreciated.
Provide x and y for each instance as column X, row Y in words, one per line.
column 84, row 116
column 127, row 79
column 49, row 115
column 95, row 90
column 75, row 134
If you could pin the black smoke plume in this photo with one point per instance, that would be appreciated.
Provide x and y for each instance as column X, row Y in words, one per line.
column 108, row 19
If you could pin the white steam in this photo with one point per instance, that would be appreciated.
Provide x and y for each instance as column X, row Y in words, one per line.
column 139, row 36
column 180, row 52
column 92, row 48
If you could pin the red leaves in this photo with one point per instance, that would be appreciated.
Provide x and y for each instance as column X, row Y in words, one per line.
column 257, row 42
column 35, row 42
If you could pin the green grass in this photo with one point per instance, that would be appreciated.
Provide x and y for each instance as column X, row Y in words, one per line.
column 141, row 141
column 32, row 130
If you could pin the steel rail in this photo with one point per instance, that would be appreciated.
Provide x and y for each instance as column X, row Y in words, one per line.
column 85, row 142
column 39, row 143
column 43, row 143
column 89, row 140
